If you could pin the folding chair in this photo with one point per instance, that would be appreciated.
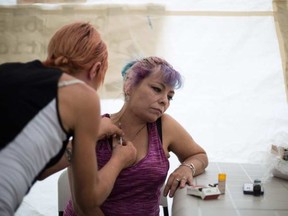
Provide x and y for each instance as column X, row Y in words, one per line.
column 164, row 202
column 64, row 193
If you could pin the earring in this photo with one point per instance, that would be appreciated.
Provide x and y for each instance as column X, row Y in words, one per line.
column 127, row 97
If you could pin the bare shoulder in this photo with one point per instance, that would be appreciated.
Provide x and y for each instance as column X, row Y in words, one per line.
column 81, row 96
column 174, row 132
column 87, row 97
column 169, row 122
column 170, row 128
column 78, row 92
column 166, row 118
column 77, row 102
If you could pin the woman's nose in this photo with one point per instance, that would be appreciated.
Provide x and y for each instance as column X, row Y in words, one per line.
column 164, row 100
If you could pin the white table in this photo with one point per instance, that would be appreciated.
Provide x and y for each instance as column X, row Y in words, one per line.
column 274, row 202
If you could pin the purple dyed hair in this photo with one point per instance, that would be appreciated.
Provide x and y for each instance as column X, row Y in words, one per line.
column 135, row 71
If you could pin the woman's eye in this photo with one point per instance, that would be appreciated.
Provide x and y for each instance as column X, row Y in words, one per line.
column 170, row 98
column 156, row 89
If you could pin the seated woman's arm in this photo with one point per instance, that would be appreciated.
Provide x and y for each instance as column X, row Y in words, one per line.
column 193, row 157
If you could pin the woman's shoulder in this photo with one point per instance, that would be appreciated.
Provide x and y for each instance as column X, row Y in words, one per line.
column 78, row 102
column 166, row 118
column 79, row 89
column 170, row 125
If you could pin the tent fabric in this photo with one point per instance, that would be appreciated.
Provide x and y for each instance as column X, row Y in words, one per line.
column 281, row 21
column 41, row 20
column 232, row 54
column 27, row 29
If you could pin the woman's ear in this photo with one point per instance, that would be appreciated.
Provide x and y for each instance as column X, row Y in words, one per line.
column 126, row 89
column 94, row 70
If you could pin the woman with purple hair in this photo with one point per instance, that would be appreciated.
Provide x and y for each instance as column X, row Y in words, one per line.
column 149, row 86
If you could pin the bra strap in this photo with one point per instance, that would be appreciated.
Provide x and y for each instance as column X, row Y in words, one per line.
column 68, row 82
column 159, row 128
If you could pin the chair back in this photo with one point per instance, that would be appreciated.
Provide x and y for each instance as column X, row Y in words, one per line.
column 164, row 202
column 64, row 193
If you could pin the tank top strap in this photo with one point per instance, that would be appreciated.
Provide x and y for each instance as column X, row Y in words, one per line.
column 69, row 82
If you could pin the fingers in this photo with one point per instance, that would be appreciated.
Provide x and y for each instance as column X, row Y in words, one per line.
column 183, row 182
column 186, row 181
column 114, row 131
column 108, row 129
column 126, row 153
column 172, row 184
column 189, row 181
column 176, row 181
column 180, row 182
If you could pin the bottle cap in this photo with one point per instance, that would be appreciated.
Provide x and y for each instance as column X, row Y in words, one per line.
column 222, row 177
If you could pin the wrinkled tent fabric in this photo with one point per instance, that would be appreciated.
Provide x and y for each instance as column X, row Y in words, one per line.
column 281, row 21
column 232, row 54
column 26, row 30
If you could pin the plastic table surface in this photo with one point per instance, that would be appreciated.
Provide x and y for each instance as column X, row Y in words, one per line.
column 234, row 202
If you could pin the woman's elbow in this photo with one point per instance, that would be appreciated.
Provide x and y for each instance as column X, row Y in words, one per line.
column 87, row 206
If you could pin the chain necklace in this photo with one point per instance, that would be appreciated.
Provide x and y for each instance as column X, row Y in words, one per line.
column 136, row 134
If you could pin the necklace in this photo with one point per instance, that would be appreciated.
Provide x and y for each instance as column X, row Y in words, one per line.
column 136, row 134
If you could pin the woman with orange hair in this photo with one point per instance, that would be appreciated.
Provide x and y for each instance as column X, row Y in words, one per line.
column 44, row 105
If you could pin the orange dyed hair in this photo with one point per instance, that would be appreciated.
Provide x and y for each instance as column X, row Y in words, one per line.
column 76, row 47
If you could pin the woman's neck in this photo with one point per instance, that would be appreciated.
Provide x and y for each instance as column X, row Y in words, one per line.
column 130, row 124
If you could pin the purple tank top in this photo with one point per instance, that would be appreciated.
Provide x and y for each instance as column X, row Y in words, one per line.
column 137, row 189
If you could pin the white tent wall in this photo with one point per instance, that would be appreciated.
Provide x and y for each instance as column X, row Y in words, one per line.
column 232, row 54
column 280, row 9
